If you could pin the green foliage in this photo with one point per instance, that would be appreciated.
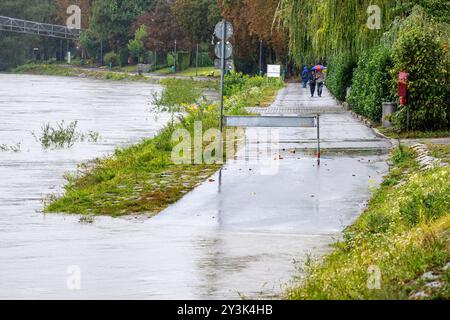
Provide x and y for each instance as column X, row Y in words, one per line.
column 438, row 9
column 111, row 19
column 142, row 178
column 197, row 18
column 111, row 58
column 403, row 233
column 322, row 29
column 176, row 93
column 14, row 47
column 123, row 56
column 63, row 136
column 237, row 82
column 90, row 44
column 371, row 83
column 420, row 51
column 183, row 60
column 204, row 60
column 136, row 45
column 243, row 91
column 138, row 179
column 339, row 75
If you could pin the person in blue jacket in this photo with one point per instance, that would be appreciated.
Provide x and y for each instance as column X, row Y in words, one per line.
column 305, row 76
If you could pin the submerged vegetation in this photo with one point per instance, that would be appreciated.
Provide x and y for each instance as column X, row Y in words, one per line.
column 143, row 179
column 398, row 248
column 14, row 148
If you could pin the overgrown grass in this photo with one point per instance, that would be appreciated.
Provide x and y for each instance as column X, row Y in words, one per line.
column 46, row 69
column 243, row 91
column 440, row 151
column 191, row 72
column 403, row 233
column 138, row 179
column 142, row 179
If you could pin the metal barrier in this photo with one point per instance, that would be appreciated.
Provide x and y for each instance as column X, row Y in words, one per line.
column 276, row 122
column 38, row 28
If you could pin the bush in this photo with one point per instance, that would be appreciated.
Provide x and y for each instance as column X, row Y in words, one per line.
column 90, row 44
column 123, row 56
column 183, row 60
column 112, row 58
column 237, row 82
column 371, row 83
column 204, row 60
column 420, row 51
column 177, row 92
column 339, row 77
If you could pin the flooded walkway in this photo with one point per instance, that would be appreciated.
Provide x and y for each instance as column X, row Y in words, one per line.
column 236, row 235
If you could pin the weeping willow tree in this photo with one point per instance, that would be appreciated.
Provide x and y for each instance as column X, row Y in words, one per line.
column 319, row 29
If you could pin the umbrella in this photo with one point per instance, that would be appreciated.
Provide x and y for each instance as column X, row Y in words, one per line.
column 319, row 67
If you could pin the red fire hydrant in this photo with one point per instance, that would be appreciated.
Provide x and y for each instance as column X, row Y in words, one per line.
column 403, row 87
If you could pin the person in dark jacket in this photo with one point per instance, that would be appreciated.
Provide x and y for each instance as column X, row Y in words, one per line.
column 305, row 76
column 312, row 82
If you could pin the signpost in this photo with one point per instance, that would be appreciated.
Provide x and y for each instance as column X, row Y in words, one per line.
column 228, row 64
column 224, row 50
column 273, row 71
column 228, row 50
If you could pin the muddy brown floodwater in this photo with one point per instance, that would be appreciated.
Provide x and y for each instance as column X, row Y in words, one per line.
column 244, row 237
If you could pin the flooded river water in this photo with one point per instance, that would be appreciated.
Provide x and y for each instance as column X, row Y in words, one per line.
column 245, row 237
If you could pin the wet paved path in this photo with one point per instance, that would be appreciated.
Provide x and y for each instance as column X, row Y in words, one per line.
column 239, row 233
column 267, row 209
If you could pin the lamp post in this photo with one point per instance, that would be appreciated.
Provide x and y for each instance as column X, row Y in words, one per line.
column 196, row 63
column 260, row 57
column 175, row 57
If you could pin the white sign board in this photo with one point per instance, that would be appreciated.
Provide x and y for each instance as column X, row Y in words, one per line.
column 273, row 71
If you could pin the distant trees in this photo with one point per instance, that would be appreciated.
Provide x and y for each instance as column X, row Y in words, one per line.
column 111, row 19
column 253, row 21
column 197, row 18
column 14, row 47
column 113, row 24
column 163, row 28
column 136, row 45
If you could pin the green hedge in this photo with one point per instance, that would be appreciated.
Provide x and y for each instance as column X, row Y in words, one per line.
column 420, row 50
column 112, row 58
column 123, row 56
column 371, row 83
column 237, row 82
column 204, row 60
column 340, row 70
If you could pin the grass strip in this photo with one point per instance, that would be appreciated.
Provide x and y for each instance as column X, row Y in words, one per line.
column 403, row 234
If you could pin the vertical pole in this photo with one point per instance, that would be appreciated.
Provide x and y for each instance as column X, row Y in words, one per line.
column 260, row 57
column 101, row 52
column 61, row 57
column 222, row 80
column 196, row 63
column 318, row 139
column 67, row 50
column 175, row 56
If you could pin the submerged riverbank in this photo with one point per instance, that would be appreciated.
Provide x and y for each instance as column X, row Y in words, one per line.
column 104, row 74
column 398, row 248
